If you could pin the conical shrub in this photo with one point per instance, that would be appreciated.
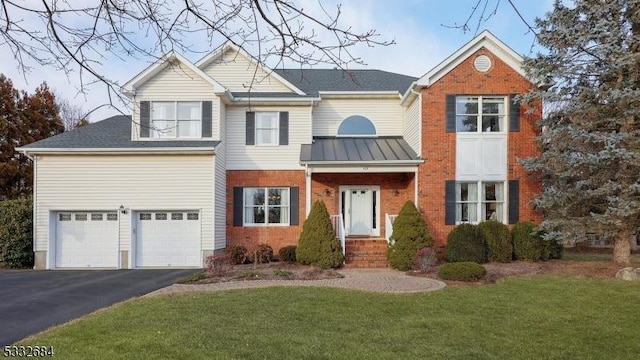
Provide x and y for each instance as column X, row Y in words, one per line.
column 318, row 243
column 410, row 234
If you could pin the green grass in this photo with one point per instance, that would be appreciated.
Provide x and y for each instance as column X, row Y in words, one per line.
column 538, row 317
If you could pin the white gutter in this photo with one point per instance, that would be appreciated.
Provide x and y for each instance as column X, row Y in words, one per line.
column 407, row 94
column 176, row 150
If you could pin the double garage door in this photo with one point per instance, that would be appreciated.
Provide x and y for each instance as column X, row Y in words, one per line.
column 159, row 239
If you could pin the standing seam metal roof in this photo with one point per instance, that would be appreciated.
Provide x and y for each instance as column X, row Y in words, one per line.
column 357, row 149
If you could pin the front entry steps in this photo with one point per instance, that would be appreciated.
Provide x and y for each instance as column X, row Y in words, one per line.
column 366, row 253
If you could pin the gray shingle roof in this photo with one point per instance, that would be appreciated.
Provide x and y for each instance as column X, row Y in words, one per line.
column 111, row 133
column 357, row 149
column 311, row 81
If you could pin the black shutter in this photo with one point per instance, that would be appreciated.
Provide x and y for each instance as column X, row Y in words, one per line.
column 294, row 200
column 514, row 201
column 450, row 202
column 284, row 128
column 145, row 118
column 238, row 206
column 450, row 110
column 514, row 114
column 251, row 128
column 206, row 119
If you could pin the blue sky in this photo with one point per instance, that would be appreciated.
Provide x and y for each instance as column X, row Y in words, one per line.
column 422, row 30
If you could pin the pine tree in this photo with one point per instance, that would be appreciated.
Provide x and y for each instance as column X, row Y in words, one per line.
column 590, row 142
column 24, row 119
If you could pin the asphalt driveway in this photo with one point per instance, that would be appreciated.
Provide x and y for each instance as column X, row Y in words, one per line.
column 32, row 301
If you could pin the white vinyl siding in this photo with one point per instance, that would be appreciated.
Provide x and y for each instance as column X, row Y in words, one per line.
column 236, row 73
column 411, row 125
column 220, row 189
column 139, row 182
column 173, row 83
column 386, row 115
column 283, row 157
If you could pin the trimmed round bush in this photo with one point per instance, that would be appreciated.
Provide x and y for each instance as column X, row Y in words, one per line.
column 462, row 271
column 16, row 232
column 466, row 243
column 410, row 234
column 527, row 243
column 238, row 254
column 261, row 254
column 287, row 253
column 499, row 243
column 318, row 243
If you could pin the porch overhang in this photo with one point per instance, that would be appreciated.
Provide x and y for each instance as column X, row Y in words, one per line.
column 358, row 153
column 362, row 167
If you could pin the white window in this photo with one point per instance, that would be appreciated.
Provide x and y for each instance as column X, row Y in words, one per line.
column 176, row 119
column 267, row 128
column 266, row 206
column 475, row 206
column 480, row 113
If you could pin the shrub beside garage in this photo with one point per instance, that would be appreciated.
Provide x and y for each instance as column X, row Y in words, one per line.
column 16, row 232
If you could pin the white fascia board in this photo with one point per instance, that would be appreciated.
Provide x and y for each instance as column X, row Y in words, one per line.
column 119, row 151
column 390, row 163
column 359, row 94
column 410, row 94
column 362, row 169
column 130, row 87
column 485, row 39
column 274, row 101
column 231, row 45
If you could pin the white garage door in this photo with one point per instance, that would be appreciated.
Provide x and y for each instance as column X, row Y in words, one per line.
column 168, row 239
column 86, row 239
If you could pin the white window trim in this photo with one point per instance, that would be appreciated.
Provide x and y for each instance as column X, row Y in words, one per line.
column 277, row 128
column 175, row 121
column 505, row 116
column 480, row 201
column 266, row 207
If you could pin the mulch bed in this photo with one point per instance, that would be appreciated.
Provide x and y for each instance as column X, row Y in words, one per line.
column 269, row 271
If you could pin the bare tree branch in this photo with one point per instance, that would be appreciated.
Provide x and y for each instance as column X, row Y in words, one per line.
column 80, row 38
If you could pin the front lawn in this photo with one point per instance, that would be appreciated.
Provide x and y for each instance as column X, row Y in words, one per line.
column 548, row 316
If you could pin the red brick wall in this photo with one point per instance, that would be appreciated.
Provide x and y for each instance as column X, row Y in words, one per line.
column 395, row 190
column 275, row 236
column 439, row 146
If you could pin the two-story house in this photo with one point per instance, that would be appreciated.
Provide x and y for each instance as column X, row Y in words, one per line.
column 226, row 151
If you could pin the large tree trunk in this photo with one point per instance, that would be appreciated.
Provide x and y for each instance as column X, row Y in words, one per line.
column 622, row 248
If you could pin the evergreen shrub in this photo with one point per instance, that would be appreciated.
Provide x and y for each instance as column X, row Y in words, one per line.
column 466, row 242
column 410, row 234
column 318, row 244
column 462, row 271
column 16, row 233
column 499, row 243
column 528, row 244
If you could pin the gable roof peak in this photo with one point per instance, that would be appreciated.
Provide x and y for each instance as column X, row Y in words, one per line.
column 172, row 58
column 485, row 39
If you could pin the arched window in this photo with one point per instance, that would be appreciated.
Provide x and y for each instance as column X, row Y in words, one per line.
column 356, row 125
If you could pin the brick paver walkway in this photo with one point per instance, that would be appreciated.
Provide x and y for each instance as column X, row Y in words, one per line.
column 376, row 280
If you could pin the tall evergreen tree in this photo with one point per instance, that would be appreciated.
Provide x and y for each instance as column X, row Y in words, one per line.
column 590, row 140
column 24, row 119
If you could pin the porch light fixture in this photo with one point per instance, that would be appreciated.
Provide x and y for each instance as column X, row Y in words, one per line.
column 122, row 209
column 395, row 192
column 327, row 192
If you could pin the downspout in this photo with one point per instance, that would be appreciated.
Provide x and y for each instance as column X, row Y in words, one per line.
column 34, row 210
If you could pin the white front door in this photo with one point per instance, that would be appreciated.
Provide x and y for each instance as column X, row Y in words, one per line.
column 361, row 212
